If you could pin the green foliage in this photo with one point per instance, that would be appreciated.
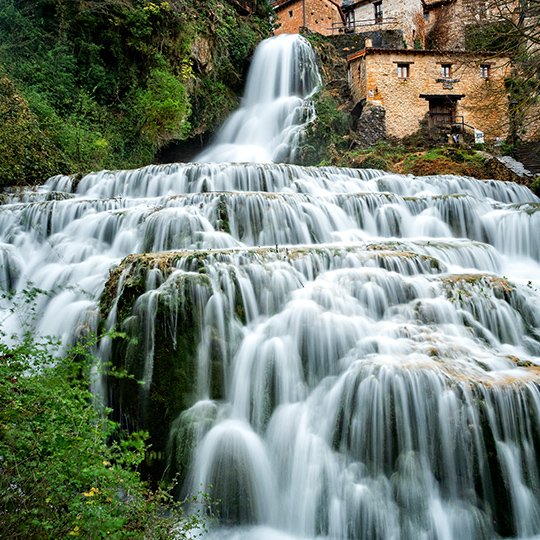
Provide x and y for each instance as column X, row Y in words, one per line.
column 447, row 160
column 28, row 154
column 493, row 36
column 65, row 469
column 382, row 156
column 535, row 186
column 111, row 81
column 328, row 135
column 164, row 108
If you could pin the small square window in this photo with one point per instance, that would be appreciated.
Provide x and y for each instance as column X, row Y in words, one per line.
column 426, row 16
column 446, row 71
column 403, row 71
column 290, row 14
column 484, row 71
column 378, row 12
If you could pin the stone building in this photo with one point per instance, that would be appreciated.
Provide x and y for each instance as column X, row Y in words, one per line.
column 367, row 16
column 330, row 17
column 322, row 16
column 419, row 66
column 451, row 88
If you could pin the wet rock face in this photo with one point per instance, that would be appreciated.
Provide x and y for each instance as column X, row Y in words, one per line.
column 202, row 52
column 371, row 126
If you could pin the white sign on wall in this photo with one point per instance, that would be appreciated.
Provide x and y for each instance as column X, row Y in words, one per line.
column 478, row 136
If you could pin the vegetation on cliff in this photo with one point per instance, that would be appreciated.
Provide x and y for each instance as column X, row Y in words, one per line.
column 105, row 84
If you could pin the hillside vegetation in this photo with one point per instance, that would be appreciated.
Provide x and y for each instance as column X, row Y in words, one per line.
column 94, row 84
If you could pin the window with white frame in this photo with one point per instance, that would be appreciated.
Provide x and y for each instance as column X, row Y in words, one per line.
column 446, row 71
column 484, row 71
column 403, row 71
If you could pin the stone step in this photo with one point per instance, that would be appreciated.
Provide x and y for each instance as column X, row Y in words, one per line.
column 529, row 155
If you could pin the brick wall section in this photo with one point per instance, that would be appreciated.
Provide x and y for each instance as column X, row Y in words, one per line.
column 374, row 76
column 320, row 16
column 407, row 15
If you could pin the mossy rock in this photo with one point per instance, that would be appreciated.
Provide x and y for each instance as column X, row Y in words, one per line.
column 169, row 369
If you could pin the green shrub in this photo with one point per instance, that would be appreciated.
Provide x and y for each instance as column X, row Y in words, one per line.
column 164, row 108
column 65, row 469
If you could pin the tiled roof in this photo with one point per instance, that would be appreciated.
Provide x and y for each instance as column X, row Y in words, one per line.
column 424, row 52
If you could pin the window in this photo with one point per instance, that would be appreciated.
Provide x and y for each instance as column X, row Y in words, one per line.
column 349, row 20
column 446, row 71
column 290, row 14
column 426, row 16
column 378, row 12
column 484, row 71
column 403, row 71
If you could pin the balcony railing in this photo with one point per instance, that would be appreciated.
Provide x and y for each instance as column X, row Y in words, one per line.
column 351, row 27
column 443, row 119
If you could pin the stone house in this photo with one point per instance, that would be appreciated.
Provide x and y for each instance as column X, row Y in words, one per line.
column 420, row 69
column 322, row 16
column 366, row 16
column 450, row 87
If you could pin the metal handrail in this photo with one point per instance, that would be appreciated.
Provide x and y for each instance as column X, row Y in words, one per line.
column 441, row 119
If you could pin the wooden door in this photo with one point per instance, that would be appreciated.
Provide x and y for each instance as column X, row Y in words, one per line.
column 441, row 111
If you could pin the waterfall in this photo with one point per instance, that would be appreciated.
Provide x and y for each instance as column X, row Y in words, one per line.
column 336, row 353
column 276, row 106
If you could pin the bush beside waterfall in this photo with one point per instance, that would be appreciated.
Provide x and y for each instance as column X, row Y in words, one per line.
column 66, row 470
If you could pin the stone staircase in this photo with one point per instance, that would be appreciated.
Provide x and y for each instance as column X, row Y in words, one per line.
column 529, row 155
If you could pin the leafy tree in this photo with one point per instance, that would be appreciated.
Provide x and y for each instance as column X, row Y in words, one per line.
column 91, row 71
column 28, row 154
column 513, row 28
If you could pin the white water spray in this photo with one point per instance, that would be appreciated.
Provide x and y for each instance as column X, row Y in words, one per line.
column 366, row 345
column 275, row 108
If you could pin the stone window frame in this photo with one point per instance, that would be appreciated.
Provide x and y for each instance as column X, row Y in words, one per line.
column 377, row 6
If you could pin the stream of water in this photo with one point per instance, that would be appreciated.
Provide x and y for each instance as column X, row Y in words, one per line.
column 377, row 335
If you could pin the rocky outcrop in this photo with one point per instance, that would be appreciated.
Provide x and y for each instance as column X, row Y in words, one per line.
column 507, row 169
column 371, row 126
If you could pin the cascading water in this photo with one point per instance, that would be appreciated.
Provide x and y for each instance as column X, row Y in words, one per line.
column 266, row 127
column 332, row 353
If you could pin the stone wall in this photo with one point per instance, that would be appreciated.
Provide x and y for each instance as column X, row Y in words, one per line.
column 320, row 16
column 374, row 76
column 405, row 15
column 446, row 25
column 348, row 44
column 371, row 127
